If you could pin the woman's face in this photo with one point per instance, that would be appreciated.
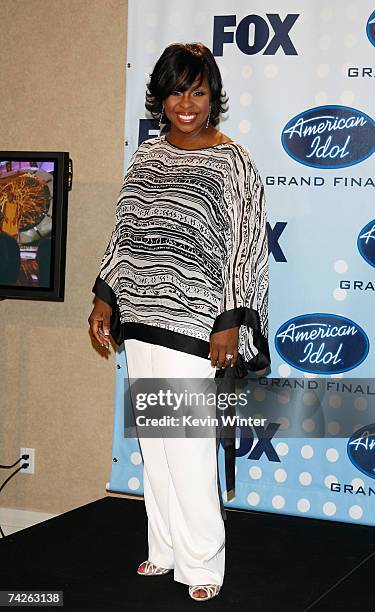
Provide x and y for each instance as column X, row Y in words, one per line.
column 188, row 110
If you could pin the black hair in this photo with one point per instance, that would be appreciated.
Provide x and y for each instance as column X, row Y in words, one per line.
column 176, row 70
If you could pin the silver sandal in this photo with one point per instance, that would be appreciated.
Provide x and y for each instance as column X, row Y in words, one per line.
column 150, row 569
column 211, row 591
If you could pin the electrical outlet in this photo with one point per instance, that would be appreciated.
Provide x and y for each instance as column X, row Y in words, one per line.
column 30, row 460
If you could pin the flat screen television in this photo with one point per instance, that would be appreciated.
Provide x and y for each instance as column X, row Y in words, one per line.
column 33, row 219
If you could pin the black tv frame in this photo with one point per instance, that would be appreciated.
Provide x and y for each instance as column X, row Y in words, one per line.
column 62, row 183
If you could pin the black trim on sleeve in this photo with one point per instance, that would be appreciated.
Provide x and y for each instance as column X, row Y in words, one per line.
column 249, row 317
column 104, row 292
column 228, row 319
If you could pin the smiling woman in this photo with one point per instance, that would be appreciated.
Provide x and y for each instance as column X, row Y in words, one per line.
column 186, row 94
column 188, row 112
column 182, row 67
column 189, row 107
column 184, row 283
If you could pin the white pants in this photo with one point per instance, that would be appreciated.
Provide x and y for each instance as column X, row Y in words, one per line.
column 185, row 526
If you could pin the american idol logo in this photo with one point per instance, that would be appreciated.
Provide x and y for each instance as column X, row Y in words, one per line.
column 361, row 450
column 370, row 28
column 366, row 243
column 322, row 343
column 329, row 137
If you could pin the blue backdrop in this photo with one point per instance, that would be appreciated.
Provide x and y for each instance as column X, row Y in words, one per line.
column 300, row 82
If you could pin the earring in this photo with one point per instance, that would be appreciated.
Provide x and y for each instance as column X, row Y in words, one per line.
column 161, row 119
column 208, row 118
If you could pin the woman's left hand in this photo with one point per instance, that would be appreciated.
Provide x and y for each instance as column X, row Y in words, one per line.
column 222, row 345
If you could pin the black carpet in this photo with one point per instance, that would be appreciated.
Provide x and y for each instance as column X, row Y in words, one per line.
column 273, row 563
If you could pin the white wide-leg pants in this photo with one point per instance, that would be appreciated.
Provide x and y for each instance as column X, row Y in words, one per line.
column 185, row 526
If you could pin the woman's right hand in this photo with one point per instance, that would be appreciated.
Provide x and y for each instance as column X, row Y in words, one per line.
column 99, row 322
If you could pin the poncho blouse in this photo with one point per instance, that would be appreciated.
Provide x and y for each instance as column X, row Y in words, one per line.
column 188, row 254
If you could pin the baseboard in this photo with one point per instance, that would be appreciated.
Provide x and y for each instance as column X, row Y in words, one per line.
column 13, row 519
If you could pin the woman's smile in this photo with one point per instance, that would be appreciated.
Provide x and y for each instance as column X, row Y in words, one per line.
column 186, row 118
column 188, row 110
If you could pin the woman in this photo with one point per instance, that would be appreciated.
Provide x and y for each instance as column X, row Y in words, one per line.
column 184, row 283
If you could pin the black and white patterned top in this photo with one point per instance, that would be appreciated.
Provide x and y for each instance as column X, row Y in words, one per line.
column 188, row 254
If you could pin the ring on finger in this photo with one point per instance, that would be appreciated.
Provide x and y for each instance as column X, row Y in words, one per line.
column 229, row 356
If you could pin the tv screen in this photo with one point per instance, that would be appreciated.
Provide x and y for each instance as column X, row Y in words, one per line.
column 33, row 216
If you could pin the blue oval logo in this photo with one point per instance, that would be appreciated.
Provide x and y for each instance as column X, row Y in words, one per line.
column 366, row 243
column 361, row 450
column 329, row 137
column 322, row 343
column 370, row 28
